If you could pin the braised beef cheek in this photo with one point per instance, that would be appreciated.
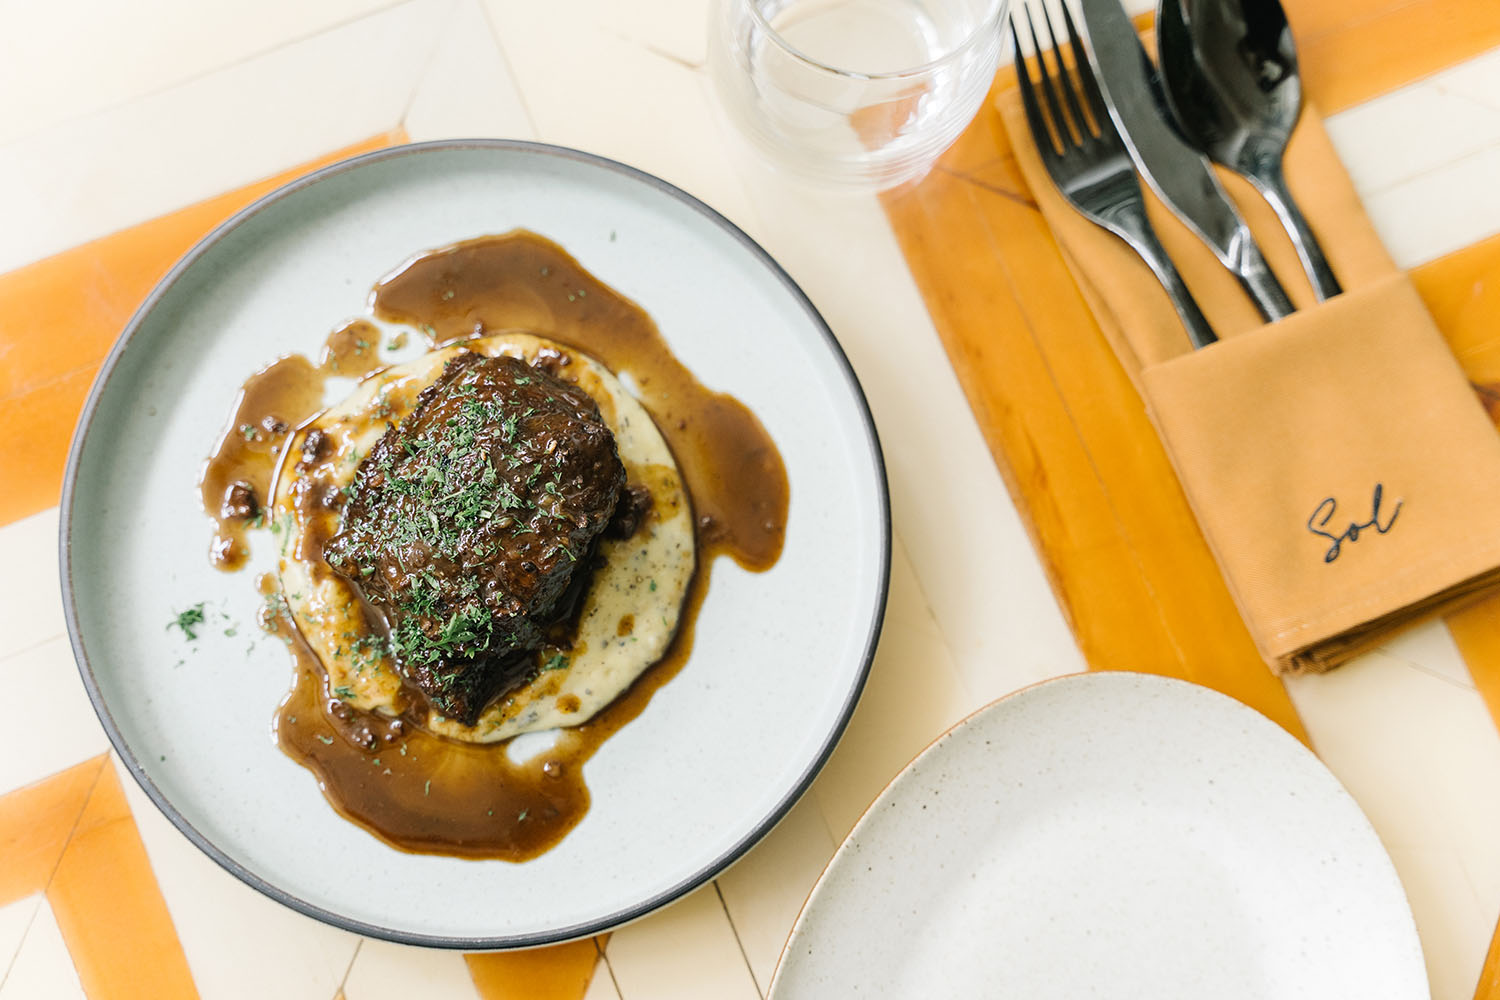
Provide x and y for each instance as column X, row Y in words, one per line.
column 469, row 524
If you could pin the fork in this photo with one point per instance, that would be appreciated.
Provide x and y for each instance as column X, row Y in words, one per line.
column 1090, row 165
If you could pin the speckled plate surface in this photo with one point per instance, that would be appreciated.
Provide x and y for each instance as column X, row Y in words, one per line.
column 1109, row 834
column 721, row 752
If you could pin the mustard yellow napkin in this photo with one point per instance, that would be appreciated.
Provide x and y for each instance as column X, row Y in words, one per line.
column 1339, row 464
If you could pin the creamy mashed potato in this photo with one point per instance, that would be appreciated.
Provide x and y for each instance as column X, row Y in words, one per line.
column 629, row 611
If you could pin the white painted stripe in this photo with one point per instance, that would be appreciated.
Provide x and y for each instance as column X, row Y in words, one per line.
column 52, row 725
column 42, row 966
column 386, row 971
column 30, row 600
column 60, row 61
column 15, row 920
column 685, row 952
column 237, row 942
column 88, row 177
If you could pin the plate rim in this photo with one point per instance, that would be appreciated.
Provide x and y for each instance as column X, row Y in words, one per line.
column 581, row 929
column 1074, row 676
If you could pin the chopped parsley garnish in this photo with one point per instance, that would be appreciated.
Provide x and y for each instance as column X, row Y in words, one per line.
column 249, row 432
column 188, row 620
column 557, row 662
column 344, row 691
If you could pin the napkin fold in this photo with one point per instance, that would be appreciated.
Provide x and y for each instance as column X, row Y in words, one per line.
column 1339, row 463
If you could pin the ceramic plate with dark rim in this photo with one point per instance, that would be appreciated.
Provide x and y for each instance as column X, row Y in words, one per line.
column 721, row 752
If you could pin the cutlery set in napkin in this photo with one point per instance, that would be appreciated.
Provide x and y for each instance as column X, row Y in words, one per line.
column 1338, row 462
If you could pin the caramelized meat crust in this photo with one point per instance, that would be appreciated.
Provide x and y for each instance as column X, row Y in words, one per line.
column 471, row 524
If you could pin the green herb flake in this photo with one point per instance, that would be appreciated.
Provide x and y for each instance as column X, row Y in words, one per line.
column 188, row 620
column 325, row 740
column 558, row 662
column 653, row 586
column 249, row 432
column 522, row 815
column 344, row 691
column 427, row 787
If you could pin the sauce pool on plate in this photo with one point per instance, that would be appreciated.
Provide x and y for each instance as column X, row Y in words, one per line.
column 416, row 790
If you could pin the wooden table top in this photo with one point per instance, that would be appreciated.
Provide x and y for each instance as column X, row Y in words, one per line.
column 133, row 130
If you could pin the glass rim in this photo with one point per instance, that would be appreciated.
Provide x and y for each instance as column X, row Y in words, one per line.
column 988, row 23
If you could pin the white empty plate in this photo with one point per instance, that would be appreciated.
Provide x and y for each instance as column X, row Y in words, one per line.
column 1114, row 835
column 721, row 752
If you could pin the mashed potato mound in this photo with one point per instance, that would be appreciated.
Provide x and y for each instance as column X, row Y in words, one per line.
column 630, row 609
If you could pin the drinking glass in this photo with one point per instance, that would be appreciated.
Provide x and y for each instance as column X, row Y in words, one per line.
column 865, row 93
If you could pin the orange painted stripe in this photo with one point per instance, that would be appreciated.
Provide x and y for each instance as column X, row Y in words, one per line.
column 60, row 316
column 1489, row 976
column 110, row 909
column 559, row 972
column 35, row 823
column 1352, row 50
column 1462, row 290
column 1068, row 431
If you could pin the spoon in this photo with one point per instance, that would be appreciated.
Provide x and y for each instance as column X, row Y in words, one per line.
column 1229, row 70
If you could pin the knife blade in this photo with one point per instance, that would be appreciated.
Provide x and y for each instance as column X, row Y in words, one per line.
column 1178, row 173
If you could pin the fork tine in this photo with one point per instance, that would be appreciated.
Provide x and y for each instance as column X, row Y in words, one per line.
column 1034, row 118
column 1049, row 87
column 1086, row 78
column 1065, row 79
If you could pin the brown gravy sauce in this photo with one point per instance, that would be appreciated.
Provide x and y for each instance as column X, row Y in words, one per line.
column 520, row 281
column 236, row 481
column 420, row 792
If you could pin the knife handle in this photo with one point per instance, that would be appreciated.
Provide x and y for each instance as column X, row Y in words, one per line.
column 1129, row 222
column 1256, row 277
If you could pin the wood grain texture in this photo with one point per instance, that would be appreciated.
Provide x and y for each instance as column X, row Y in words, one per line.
column 1069, row 434
column 557, row 972
column 1133, row 574
column 35, row 824
column 1352, row 50
column 110, row 909
column 60, row 316
column 1462, row 290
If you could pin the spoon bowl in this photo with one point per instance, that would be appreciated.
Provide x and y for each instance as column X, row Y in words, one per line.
column 1229, row 72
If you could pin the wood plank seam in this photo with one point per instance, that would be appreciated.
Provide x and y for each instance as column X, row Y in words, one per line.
column 744, row 956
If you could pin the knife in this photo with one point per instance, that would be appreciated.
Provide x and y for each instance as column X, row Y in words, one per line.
column 1178, row 173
